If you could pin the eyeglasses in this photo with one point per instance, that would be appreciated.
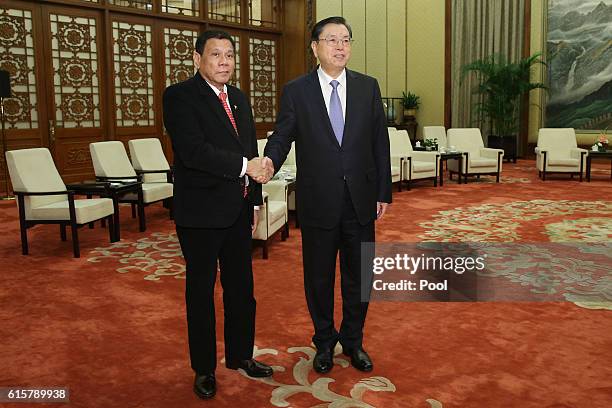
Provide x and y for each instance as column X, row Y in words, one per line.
column 334, row 42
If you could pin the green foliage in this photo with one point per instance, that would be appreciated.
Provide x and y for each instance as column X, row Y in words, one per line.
column 410, row 100
column 430, row 142
column 502, row 84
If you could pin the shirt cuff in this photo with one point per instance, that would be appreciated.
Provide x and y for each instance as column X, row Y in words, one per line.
column 244, row 167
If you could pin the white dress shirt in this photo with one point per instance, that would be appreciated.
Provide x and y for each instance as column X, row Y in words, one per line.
column 326, row 88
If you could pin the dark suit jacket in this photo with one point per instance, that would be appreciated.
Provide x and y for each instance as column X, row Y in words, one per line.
column 323, row 166
column 208, row 153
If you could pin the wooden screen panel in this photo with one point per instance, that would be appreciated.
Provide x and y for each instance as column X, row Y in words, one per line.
column 264, row 13
column 133, row 74
column 224, row 10
column 74, row 59
column 181, row 7
column 178, row 48
column 135, row 4
column 18, row 58
column 74, row 75
column 262, row 68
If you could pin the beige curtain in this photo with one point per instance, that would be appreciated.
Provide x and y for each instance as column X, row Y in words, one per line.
column 481, row 28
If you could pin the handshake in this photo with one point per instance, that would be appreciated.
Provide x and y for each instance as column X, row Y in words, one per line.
column 260, row 169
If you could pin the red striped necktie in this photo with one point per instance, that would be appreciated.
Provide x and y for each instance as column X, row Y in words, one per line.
column 223, row 98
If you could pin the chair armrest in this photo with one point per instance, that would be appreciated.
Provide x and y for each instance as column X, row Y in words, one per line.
column 275, row 190
column 168, row 172
column 41, row 193
column 577, row 153
column 425, row 156
column 153, row 171
column 490, row 153
column 397, row 159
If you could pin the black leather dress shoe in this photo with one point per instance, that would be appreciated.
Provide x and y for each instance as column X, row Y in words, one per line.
column 359, row 358
column 323, row 361
column 252, row 367
column 205, row 385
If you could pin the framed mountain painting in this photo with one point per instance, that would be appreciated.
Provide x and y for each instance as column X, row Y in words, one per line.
column 579, row 57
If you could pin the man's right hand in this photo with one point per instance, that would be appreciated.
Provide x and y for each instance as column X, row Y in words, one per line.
column 260, row 169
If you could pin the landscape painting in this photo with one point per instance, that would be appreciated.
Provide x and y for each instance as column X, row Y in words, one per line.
column 579, row 57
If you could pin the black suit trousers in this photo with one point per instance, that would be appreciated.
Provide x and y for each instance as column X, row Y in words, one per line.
column 202, row 247
column 320, row 248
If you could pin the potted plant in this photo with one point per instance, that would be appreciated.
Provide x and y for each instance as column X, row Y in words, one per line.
column 502, row 84
column 411, row 103
column 431, row 144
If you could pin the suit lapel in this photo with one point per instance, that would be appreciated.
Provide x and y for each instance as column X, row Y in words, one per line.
column 215, row 105
column 317, row 96
column 236, row 111
column 351, row 106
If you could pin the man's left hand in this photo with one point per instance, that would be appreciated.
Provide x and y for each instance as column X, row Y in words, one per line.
column 381, row 208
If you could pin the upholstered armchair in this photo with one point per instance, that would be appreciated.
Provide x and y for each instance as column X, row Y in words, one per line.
column 558, row 152
column 273, row 214
column 111, row 163
column 411, row 165
column 148, row 159
column 477, row 159
column 42, row 197
column 435, row 132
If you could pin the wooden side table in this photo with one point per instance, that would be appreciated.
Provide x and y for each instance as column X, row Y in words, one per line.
column 597, row 155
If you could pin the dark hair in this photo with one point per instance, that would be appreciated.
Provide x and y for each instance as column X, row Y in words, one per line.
column 207, row 35
column 318, row 28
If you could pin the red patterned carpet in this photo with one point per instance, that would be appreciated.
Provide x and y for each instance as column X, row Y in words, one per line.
column 110, row 326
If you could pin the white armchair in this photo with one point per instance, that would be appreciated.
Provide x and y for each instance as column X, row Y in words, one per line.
column 148, row 159
column 42, row 197
column 477, row 159
column 273, row 214
column 558, row 152
column 111, row 163
column 411, row 165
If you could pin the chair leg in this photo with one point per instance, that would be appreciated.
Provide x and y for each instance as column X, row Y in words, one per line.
column 497, row 177
column 265, row 249
column 142, row 223
column 133, row 210
column 22, row 225
column 63, row 232
column 170, row 203
column 111, row 228
column 24, row 238
column 141, row 214
column 75, row 240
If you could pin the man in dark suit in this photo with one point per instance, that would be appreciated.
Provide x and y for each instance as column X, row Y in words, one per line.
column 215, row 149
column 335, row 116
